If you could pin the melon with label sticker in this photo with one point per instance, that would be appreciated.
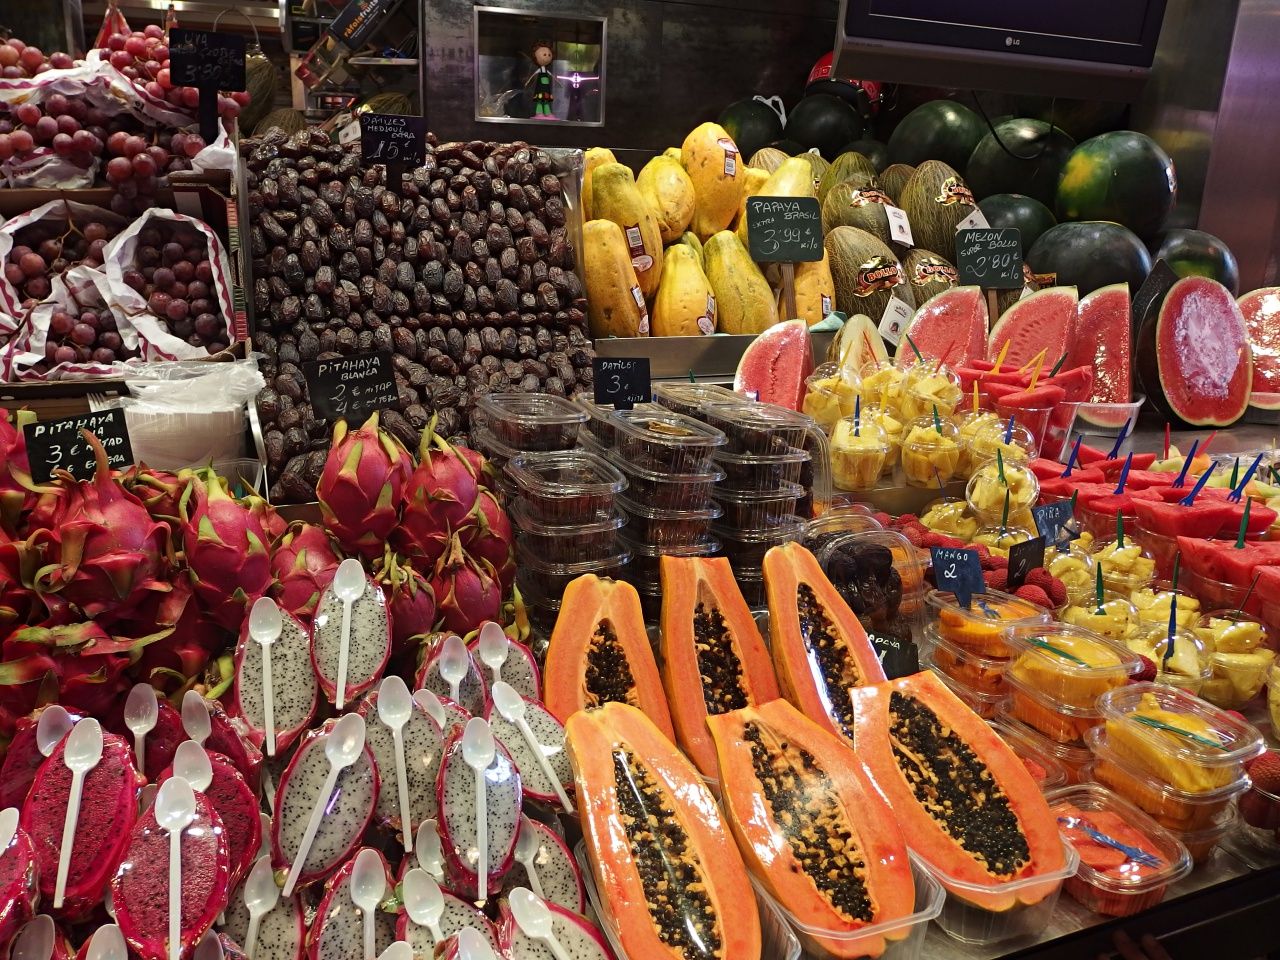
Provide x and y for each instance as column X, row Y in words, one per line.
column 1261, row 310
column 866, row 272
column 953, row 325
column 775, row 365
column 1044, row 321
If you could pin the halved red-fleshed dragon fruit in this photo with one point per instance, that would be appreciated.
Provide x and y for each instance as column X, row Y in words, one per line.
column 303, row 562
column 140, row 890
column 545, row 865
column 423, row 746
column 106, row 943
column 422, row 896
column 23, row 759
column 40, row 938
column 237, row 808
column 449, row 670
column 227, row 736
column 369, row 645
column 108, row 808
column 282, row 931
column 295, row 690
column 338, row 930
column 18, row 882
column 362, row 486
column 577, row 937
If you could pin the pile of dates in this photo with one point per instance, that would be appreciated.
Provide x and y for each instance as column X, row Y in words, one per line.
column 462, row 268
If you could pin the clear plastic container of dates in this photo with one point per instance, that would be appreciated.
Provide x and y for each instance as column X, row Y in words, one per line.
column 663, row 441
column 756, row 509
column 667, row 491
column 532, row 421
column 645, row 557
column 1127, row 860
column 667, row 528
column 571, row 486
column 756, row 473
column 542, row 582
column 565, row 543
column 758, row 428
column 690, row 398
column 746, row 548
column 599, row 425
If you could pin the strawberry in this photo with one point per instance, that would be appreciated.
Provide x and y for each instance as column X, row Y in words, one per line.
column 1147, row 672
column 994, row 563
column 982, row 551
column 913, row 535
column 882, row 518
column 1260, row 807
column 1034, row 595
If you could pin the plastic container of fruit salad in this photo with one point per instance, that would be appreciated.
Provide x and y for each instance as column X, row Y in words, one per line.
column 1055, row 662
column 1059, row 721
column 658, row 439
column 532, row 421
column 979, row 673
column 988, row 706
column 1071, row 758
column 962, row 919
column 1112, row 881
column 690, row 398
column 988, row 623
column 1201, row 843
column 1044, row 768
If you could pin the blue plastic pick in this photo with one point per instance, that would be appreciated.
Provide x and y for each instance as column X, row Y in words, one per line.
column 1190, row 498
column 1008, row 430
column 1124, row 473
column 1135, row 854
column 1173, row 608
column 857, row 415
column 1124, row 433
column 1238, row 491
column 1075, row 452
column 1186, row 464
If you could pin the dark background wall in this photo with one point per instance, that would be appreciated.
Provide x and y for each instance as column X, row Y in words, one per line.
column 669, row 66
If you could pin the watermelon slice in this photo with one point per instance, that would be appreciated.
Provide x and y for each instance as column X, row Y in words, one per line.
column 1093, row 456
column 1202, row 519
column 1111, row 467
column 1111, row 502
column 1223, row 561
column 1076, row 383
column 1143, row 479
column 1102, row 343
column 1042, row 397
column 1046, row 469
column 1045, row 320
column 951, row 324
column 1260, row 519
column 1261, row 310
column 775, row 365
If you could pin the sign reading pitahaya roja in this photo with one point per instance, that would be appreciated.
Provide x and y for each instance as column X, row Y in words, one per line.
column 60, row 445
column 351, row 387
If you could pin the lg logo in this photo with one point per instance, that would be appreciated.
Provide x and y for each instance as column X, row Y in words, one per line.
column 1012, row 42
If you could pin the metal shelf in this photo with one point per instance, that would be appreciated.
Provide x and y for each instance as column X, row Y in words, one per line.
column 383, row 61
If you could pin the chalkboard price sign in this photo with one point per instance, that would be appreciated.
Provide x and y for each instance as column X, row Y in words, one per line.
column 60, row 445
column 622, row 381
column 1023, row 558
column 784, row 229
column 1053, row 520
column 392, row 138
column 201, row 58
column 959, row 571
column 348, row 387
column 990, row 258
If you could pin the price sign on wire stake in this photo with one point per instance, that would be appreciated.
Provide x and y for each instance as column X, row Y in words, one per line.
column 351, row 387
column 959, row 571
column 60, row 445
column 209, row 62
column 392, row 139
column 991, row 259
column 784, row 229
column 1023, row 558
column 622, row 381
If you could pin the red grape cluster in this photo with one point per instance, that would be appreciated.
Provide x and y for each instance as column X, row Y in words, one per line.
column 48, row 248
column 18, row 61
column 173, row 272
column 143, row 57
column 82, row 336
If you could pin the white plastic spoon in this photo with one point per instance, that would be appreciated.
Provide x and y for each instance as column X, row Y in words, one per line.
column 107, row 943
column 368, row 886
column 8, row 827
column 342, row 746
column 175, row 809
column 54, row 724
column 265, row 627
column 478, row 750
column 423, row 901
column 209, row 947
column 195, row 716
column 81, row 754
column 429, row 702
column 397, row 950
column 472, row 945
column 512, row 708
column 191, row 763
column 395, row 707
column 527, row 844
column 35, row 940
column 348, row 586
column 141, row 711
column 260, row 897
column 265, row 846
column 453, row 665
column 430, row 854
column 493, row 648
column 533, row 917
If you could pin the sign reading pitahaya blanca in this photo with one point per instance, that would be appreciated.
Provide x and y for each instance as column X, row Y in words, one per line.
column 351, row 387
column 60, row 444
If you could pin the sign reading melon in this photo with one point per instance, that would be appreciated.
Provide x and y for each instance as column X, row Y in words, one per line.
column 784, row 229
column 990, row 258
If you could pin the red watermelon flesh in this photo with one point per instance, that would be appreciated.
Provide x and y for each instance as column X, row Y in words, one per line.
column 1142, row 479
column 1111, row 502
column 1103, row 339
column 998, row 391
column 1046, row 469
column 1261, row 310
column 1076, row 382
column 1222, row 560
column 1112, row 466
column 1171, row 494
column 1260, row 519
column 776, row 364
column 952, row 324
column 1045, row 320
column 1202, row 519
column 1092, row 455
column 1040, row 398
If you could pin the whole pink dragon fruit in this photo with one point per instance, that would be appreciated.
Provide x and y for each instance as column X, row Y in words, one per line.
column 362, row 486
column 303, row 562
column 490, row 538
column 409, row 597
column 18, row 601
column 179, row 640
column 159, row 491
column 466, row 595
column 78, row 665
column 271, row 521
column 105, row 552
column 441, row 496
column 17, row 492
column 226, row 551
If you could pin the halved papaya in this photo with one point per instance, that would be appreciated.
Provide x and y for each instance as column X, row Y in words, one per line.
column 810, row 827
column 713, row 657
column 599, row 653
column 820, row 650
column 969, row 805
column 671, row 881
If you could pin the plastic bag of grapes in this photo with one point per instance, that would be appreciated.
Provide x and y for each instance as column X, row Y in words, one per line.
column 169, row 276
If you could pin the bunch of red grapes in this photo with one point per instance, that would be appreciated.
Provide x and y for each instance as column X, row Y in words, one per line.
column 172, row 270
column 82, row 336
column 49, row 247
column 143, row 57
column 19, row 61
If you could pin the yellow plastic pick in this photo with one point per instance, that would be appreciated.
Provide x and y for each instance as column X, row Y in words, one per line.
column 1000, row 359
column 975, row 396
column 1038, row 358
column 1036, row 374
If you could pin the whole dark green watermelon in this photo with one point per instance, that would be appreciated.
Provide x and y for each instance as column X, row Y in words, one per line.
column 1015, row 210
column 751, row 123
column 1123, row 176
column 938, row 130
column 1020, row 156
column 1194, row 253
column 825, row 122
column 789, row 147
column 873, row 150
column 1081, row 119
column 1090, row 255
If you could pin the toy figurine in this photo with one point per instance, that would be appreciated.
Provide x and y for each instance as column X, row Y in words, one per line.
column 542, row 79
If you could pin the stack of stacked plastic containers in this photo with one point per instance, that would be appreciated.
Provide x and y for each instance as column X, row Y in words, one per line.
column 563, row 501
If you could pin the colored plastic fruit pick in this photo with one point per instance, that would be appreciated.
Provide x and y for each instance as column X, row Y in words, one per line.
column 1124, row 473
column 1166, row 441
column 1000, row 357
column 1173, row 607
column 937, row 421
column 1209, row 440
column 1008, row 428
column 1075, row 452
column 1244, row 525
column 1036, row 360
column 1097, row 587
column 1238, row 489
column 1190, row 498
column 1000, row 467
column 975, row 396
column 1245, row 599
column 1058, row 366
column 1235, row 473
column 1120, row 439
column 1119, row 529
column 1035, row 374
column 1186, row 464
column 1004, row 513
column 946, row 355
column 914, row 348
column 857, row 415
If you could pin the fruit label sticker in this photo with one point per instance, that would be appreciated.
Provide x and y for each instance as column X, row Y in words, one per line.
column 974, row 221
column 899, row 225
column 878, row 273
column 1023, row 558
column 622, row 381
column 707, row 322
column 392, row 138
column 730, row 156
column 351, row 387
column 784, row 229
column 202, row 58
column 897, row 314
column 640, row 260
column 827, row 306
column 59, row 444
column 991, row 259
column 929, row 269
column 954, row 191
column 860, row 198
column 958, row 571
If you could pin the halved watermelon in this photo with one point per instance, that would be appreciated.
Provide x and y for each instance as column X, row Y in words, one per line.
column 775, row 365
column 1261, row 310
column 951, row 324
column 1045, row 320
column 1103, row 336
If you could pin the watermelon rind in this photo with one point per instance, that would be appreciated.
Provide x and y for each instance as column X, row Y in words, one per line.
column 938, row 130
column 935, row 331
column 1261, row 310
column 1089, row 255
column 1026, row 319
column 1020, row 156
column 1195, row 253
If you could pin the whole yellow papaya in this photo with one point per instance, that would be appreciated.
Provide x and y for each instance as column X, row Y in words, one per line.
column 663, row 182
column 755, row 181
column 590, row 160
column 793, row 179
column 815, row 291
column 674, row 154
column 717, row 170
column 614, row 196
column 685, row 305
column 744, row 301
column 615, row 305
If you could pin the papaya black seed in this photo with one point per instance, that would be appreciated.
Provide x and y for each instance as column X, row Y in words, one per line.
column 718, row 661
column 608, row 673
column 830, row 648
